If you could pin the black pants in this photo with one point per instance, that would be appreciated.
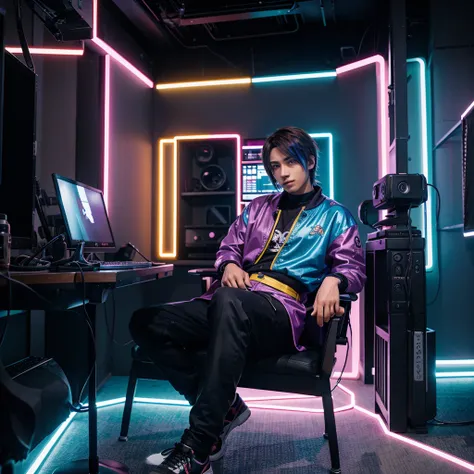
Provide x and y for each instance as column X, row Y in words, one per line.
column 234, row 326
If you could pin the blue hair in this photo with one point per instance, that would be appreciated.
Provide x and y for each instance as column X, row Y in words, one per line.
column 294, row 142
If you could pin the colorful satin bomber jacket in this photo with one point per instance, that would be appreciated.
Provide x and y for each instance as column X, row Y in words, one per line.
column 323, row 239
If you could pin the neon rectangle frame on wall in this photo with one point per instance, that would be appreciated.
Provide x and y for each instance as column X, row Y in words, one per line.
column 172, row 253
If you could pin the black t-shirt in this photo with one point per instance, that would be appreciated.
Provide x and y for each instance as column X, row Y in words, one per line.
column 290, row 206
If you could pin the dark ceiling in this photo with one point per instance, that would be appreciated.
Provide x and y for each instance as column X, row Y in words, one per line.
column 256, row 36
column 235, row 20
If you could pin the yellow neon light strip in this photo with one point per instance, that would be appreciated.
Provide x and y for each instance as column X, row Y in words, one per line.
column 218, row 82
column 161, row 205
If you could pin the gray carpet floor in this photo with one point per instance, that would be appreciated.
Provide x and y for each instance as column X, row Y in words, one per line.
column 278, row 442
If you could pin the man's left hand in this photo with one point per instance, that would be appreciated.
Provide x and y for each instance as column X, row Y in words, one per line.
column 326, row 304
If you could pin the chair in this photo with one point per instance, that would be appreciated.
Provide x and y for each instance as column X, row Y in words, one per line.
column 35, row 398
column 305, row 372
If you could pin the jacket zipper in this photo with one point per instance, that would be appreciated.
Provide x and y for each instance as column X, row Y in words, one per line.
column 269, row 238
column 287, row 237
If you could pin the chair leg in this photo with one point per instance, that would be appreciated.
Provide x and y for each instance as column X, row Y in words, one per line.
column 127, row 409
column 325, row 434
column 331, row 433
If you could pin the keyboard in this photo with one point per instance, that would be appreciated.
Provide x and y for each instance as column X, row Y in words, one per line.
column 118, row 265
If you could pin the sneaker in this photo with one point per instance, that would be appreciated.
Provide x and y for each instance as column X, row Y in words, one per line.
column 182, row 460
column 237, row 415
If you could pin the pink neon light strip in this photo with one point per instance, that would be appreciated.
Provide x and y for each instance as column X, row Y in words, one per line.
column 266, row 406
column 467, row 111
column 398, row 437
column 108, row 50
column 106, row 130
column 238, row 161
column 382, row 103
column 110, row 53
column 114, row 54
column 47, row 51
column 95, row 18
column 417, row 444
column 120, row 59
column 289, row 396
column 383, row 158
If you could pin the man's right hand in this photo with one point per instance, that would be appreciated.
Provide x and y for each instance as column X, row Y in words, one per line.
column 235, row 277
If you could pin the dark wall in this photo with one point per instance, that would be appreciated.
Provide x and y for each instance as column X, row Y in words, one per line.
column 57, row 137
column 130, row 198
column 130, row 168
column 452, row 72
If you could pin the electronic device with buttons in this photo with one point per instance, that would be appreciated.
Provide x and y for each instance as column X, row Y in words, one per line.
column 202, row 242
column 398, row 350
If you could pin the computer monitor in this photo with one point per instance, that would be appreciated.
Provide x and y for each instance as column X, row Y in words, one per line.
column 468, row 172
column 2, row 72
column 255, row 181
column 18, row 164
column 85, row 215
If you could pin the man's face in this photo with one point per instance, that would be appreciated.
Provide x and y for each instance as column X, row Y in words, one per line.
column 289, row 173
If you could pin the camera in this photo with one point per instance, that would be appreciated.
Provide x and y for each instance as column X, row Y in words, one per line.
column 399, row 191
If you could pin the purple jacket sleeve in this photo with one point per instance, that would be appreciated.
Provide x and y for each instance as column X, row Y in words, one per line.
column 345, row 256
column 232, row 246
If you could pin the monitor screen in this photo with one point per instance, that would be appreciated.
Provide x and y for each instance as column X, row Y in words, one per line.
column 252, row 153
column 468, row 173
column 18, row 167
column 255, row 181
column 85, row 215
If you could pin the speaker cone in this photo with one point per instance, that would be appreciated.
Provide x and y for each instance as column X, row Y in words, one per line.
column 213, row 177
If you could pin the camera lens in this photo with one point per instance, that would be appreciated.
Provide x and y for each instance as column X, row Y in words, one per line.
column 403, row 187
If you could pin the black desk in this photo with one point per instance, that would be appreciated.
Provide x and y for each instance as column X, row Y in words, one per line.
column 68, row 290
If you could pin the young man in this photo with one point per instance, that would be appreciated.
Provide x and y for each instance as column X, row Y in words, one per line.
column 281, row 248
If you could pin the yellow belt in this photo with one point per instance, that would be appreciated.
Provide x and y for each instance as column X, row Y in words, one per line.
column 277, row 285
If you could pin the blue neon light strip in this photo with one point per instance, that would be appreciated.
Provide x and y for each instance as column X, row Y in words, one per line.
column 294, row 77
column 455, row 363
column 163, row 401
column 331, row 159
column 427, row 224
column 444, row 375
